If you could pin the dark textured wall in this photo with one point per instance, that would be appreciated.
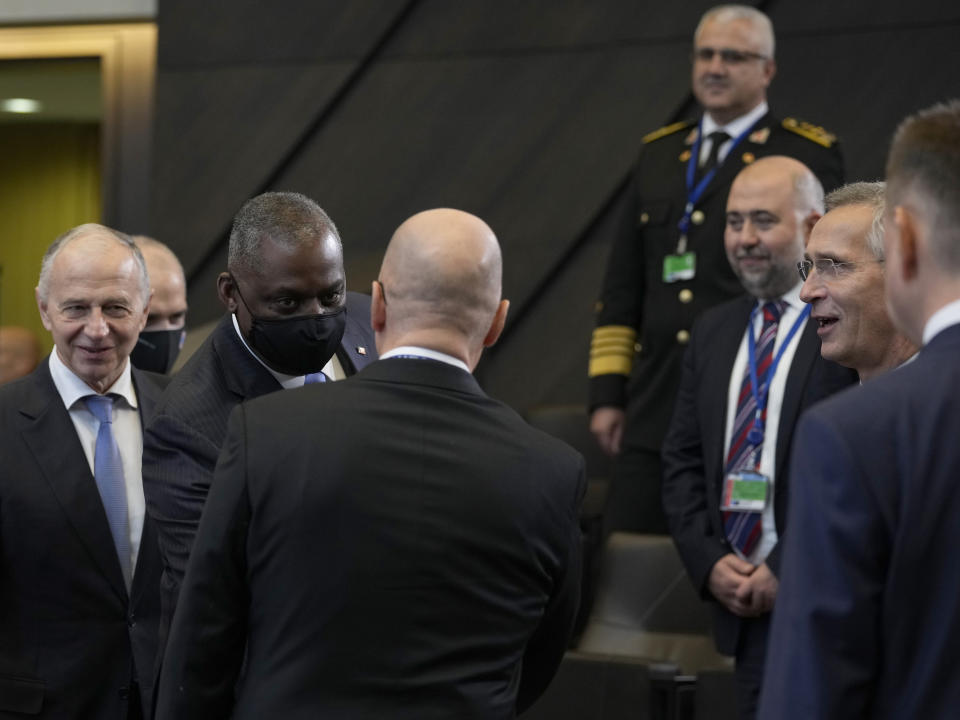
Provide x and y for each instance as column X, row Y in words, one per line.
column 528, row 113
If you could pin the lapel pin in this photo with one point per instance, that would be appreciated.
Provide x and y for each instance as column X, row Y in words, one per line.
column 759, row 136
column 361, row 350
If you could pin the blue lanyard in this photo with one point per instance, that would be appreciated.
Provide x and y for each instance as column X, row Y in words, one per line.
column 760, row 392
column 695, row 192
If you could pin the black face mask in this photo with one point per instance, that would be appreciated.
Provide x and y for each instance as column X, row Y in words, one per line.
column 296, row 345
column 157, row 350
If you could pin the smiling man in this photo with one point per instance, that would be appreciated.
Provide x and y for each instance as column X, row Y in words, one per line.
column 843, row 282
column 290, row 321
column 752, row 366
column 79, row 597
column 667, row 261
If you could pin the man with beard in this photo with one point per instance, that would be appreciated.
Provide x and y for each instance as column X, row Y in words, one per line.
column 290, row 321
column 752, row 366
column 667, row 260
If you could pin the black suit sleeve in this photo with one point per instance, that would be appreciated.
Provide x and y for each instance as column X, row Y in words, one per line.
column 686, row 501
column 207, row 639
column 549, row 641
column 178, row 465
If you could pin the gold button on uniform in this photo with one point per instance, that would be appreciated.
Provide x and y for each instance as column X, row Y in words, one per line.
column 698, row 217
column 644, row 218
column 686, row 295
column 683, row 337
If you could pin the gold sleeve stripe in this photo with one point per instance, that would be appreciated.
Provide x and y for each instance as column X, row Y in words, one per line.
column 609, row 332
column 610, row 366
column 611, row 350
column 666, row 130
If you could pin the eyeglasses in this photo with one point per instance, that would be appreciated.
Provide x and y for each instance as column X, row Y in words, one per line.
column 829, row 268
column 728, row 56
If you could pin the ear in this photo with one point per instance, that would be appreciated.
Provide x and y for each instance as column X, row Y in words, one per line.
column 769, row 70
column 496, row 327
column 808, row 224
column 42, row 307
column 378, row 307
column 225, row 291
column 146, row 311
column 907, row 237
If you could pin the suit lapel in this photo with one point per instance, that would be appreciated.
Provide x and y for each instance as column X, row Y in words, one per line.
column 808, row 349
column 718, row 368
column 68, row 475
column 242, row 373
column 355, row 351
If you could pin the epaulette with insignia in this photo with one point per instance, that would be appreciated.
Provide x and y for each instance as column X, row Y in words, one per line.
column 811, row 132
column 667, row 130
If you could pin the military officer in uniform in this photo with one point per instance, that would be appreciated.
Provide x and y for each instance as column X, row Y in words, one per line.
column 667, row 263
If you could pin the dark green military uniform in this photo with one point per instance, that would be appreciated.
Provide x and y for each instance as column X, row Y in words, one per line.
column 643, row 322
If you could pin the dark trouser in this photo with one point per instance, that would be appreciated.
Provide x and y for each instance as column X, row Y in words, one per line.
column 751, row 653
column 634, row 501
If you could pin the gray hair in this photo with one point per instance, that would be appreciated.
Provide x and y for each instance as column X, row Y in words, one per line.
column 729, row 13
column 871, row 194
column 286, row 218
column 43, row 284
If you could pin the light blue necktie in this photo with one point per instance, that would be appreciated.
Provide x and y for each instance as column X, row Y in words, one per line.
column 311, row 378
column 108, row 472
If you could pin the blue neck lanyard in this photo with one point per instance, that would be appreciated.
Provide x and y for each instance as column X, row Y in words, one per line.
column 695, row 192
column 760, row 391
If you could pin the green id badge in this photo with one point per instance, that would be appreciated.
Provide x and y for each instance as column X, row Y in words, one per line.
column 679, row 267
column 744, row 491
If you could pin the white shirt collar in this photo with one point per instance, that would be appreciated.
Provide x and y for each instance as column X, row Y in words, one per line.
column 425, row 353
column 71, row 388
column 943, row 318
column 737, row 127
column 791, row 298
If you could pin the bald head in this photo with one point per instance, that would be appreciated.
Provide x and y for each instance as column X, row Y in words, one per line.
column 19, row 352
column 168, row 307
column 440, row 282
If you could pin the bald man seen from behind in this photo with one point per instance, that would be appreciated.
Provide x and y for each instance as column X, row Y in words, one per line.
column 426, row 543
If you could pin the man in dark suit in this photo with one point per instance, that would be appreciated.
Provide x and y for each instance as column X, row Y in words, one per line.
column 753, row 364
column 869, row 621
column 290, row 321
column 667, row 262
column 415, row 557
column 79, row 565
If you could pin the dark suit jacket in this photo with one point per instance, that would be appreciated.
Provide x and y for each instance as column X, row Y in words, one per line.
column 181, row 444
column 71, row 638
column 693, row 450
column 398, row 545
column 868, row 622
column 634, row 294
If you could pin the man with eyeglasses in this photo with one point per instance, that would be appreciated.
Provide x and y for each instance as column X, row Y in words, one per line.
column 843, row 274
column 870, row 610
column 752, row 366
column 667, row 263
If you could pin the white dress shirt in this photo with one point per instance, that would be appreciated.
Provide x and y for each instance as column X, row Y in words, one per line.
column 768, row 455
column 126, row 430
column 943, row 318
column 734, row 129
column 333, row 369
column 422, row 352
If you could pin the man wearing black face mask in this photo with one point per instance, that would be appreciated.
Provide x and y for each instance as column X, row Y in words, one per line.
column 290, row 322
column 160, row 340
